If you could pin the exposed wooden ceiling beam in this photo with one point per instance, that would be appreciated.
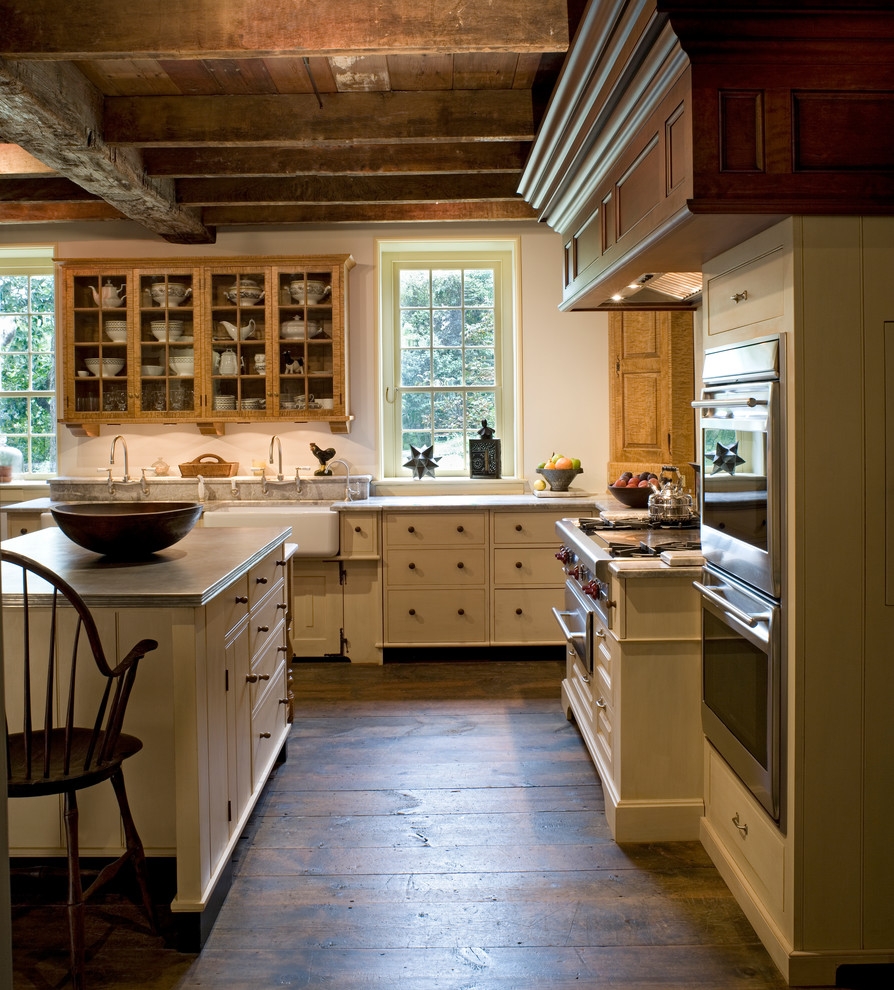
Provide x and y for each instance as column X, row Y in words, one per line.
column 347, row 189
column 54, row 113
column 173, row 29
column 322, row 213
column 297, row 121
column 377, row 159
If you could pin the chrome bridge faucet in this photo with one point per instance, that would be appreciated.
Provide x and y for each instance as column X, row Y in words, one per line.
column 126, row 479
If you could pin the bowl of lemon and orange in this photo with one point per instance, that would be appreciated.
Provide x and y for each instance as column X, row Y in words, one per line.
column 559, row 471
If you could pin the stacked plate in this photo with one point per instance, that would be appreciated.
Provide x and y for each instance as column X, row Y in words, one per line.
column 251, row 403
column 224, row 402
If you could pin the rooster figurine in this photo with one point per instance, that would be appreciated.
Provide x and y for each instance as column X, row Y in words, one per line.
column 322, row 456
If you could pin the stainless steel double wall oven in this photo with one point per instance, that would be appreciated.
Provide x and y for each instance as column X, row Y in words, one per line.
column 742, row 456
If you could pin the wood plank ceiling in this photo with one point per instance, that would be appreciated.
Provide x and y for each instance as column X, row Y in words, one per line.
column 188, row 115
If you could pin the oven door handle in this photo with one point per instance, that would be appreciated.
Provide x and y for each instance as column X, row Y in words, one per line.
column 566, row 632
column 711, row 403
column 748, row 619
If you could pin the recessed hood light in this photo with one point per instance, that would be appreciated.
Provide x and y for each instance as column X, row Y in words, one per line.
column 680, row 286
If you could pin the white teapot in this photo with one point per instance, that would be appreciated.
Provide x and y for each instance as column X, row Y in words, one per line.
column 110, row 295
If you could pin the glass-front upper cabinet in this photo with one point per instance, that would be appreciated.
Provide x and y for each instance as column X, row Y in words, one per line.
column 309, row 352
column 210, row 342
column 166, row 328
column 95, row 349
column 237, row 359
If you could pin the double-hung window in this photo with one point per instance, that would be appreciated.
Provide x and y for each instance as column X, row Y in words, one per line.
column 448, row 351
column 28, row 356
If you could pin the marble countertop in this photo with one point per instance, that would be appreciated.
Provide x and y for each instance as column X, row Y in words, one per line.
column 415, row 502
column 573, row 504
column 186, row 575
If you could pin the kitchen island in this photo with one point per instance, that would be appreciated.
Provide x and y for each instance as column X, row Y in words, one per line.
column 211, row 704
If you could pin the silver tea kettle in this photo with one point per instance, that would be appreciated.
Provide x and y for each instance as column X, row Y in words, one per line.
column 669, row 503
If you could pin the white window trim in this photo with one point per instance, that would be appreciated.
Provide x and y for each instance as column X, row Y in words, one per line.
column 36, row 259
column 465, row 250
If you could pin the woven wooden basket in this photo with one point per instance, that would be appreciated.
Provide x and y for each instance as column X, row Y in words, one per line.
column 209, row 466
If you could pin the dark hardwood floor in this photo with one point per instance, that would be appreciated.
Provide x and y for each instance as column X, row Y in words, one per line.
column 436, row 827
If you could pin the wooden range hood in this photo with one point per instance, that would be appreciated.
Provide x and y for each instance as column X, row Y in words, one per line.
column 681, row 127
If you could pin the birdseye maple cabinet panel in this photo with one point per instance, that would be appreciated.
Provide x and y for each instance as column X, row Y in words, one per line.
column 207, row 342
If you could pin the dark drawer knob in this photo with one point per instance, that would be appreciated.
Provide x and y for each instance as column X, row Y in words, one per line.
column 518, row 527
column 519, row 564
column 251, row 678
column 412, row 566
column 281, row 605
column 356, row 529
column 263, row 628
column 263, row 677
column 264, row 735
column 281, row 563
column 460, row 529
column 241, row 599
column 411, row 529
column 412, row 611
column 261, row 580
column 460, row 611
column 460, row 565
column 518, row 611
column 282, row 649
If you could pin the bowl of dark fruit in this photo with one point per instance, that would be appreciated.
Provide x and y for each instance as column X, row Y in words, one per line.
column 633, row 490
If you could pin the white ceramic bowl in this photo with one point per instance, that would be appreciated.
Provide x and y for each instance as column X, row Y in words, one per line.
column 113, row 333
column 314, row 292
column 169, row 334
column 182, row 365
column 109, row 366
column 171, row 294
column 151, row 370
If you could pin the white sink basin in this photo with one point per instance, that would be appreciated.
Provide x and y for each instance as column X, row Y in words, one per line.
column 314, row 527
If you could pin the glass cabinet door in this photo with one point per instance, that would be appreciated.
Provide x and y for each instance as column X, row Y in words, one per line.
column 305, row 347
column 100, row 332
column 237, row 299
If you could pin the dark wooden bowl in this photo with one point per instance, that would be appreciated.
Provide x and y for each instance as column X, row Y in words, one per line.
column 126, row 530
column 633, row 498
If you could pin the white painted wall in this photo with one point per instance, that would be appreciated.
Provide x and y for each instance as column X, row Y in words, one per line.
column 564, row 355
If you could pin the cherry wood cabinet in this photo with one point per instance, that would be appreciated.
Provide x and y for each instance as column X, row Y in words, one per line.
column 651, row 384
column 205, row 341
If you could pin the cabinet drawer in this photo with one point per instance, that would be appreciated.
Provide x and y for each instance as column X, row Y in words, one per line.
column 234, row 603
column 606, row 653
column 579, row 684
column 422, row 616
column 527, row 565
column 413, row 529
column 265, row 620
column 750, row 293
column 603, row 731
column 462, row 566
column 268, row 723
column 359, row 534
column 760, row 851
column 264, row 574
column 263, row 666
column 524, row 615
column 526, row 527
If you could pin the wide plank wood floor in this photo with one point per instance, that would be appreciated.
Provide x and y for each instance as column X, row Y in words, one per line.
column 436, row 827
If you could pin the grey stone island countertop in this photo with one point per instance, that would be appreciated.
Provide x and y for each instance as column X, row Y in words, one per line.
column 187, row 575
